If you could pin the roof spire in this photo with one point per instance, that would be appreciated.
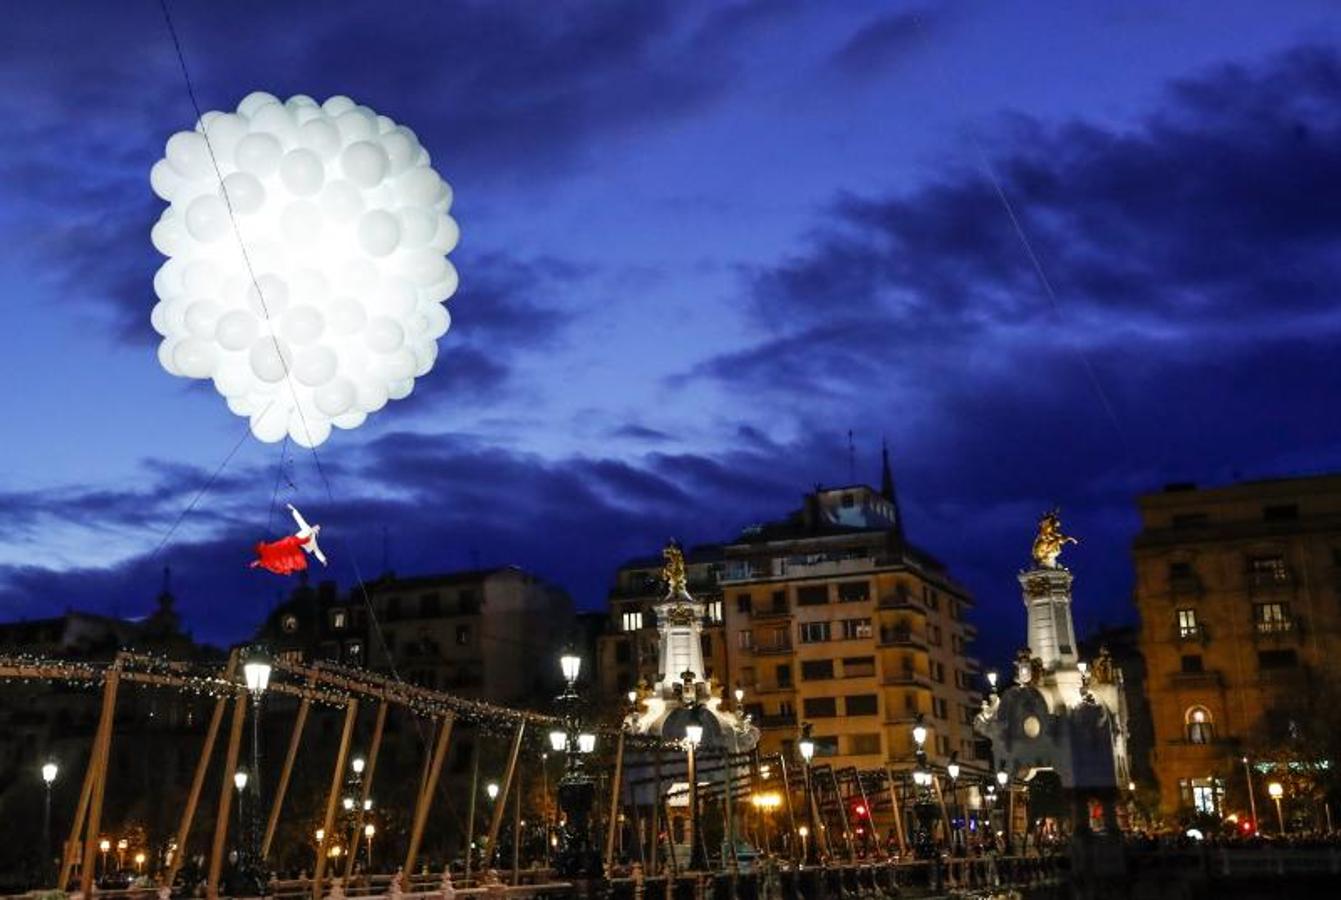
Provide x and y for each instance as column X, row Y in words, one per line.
column 887, row 487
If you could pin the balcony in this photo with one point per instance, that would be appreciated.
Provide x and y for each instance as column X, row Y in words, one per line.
column 1277, row 630
column 1265, row 581
column 1191, row 634
column 771, row 612
column 907, row 678
column 769, row 688
column 778, row 721
column 773, row 648
column 901, row 602
column 901, row 637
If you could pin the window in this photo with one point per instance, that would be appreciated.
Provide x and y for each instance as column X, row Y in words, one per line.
column 910, row 702
column 354, row 652
column 339, row 619
column 854, row 591
column 1282, row 513
column 814, row 632
column 623, row 651
column 816, row 669
column 745, row 639
column 854, row 629
column 787, row 709
column 858, row 666
column 813, row 595
column 1271, row 618
column 1192, row 663
column 467, row 603
column 1190, row 520
column 784, row 673
column 931, row 598
column 1187, row 623
column 864, row 745
column 715, row 611
column 779, row 601
column 937, row 672
column 940, row 707
column 776, row 639
column 289, row 623
column 1205, row 795
column 463, row 635
column 1200, row 728
column 1268, row 569
column 430, row 606
column 632, row 621
column 820, row 707
column 1179, row 571
column 934, row 635
column 826, row 746
column 743, row 603
column 1277, row 659
column 861, row 705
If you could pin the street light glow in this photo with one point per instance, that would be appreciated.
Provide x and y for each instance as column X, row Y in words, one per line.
column 1002, row 778
column 240, row 779
column 558, row 741
column 693, row 734
column 492, row 790
column 49, row 771
column 920, row 734
column 358, row 765
column 1275, row 790
column 586, row 743
column 369, row 830
column 256, row 670
column 571, row 665
column 953, row 771
column 807, row 748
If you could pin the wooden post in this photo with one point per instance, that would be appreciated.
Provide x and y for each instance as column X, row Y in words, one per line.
column 614, row 803
column 945, row 813
column 333, row 795
column 791, row 815
column 729, row 800
column 368, row 771
column 77, row 826
column 282, row 788
column 102, row 750
column 842, row 815
column 898, row 810
column 198, row 780
column 870, row 813
column 516, row 834
column 226, row 794
column 500, row 807
column 426, row 796
column 656, row 805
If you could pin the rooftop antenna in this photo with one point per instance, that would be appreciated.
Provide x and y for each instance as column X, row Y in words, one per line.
column 851, row 459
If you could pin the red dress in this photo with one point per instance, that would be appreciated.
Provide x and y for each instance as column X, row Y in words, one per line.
column 283, row 557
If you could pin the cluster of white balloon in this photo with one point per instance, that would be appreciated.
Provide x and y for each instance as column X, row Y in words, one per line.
column 321, row 296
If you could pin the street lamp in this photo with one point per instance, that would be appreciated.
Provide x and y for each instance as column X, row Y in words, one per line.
column 369, row 831
column 104, row 845
column 577, row 792
column 956, row 826
column 991, row 680
column 492, row 790
column 693, row 734
column 807, row 747
column 256, row 669
column 139, row 863
column 358, row 764
column 49, row 772
column 924, row 807
column 1275, row 790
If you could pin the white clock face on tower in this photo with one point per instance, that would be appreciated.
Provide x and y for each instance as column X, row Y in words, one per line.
column 1032, row 726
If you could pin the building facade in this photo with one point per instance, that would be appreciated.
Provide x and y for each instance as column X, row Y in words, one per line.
column 828, row 616
column 1240, row 605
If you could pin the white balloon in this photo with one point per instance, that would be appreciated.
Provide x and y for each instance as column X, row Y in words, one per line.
column 364, row 163
column 244, row 192
column 269, row 359
column 236, row 330
column 379, row 232
column 302, row 172
column 307, row 285
column 259, row 153
column 207, row 218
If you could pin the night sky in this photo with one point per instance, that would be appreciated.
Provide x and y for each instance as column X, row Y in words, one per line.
column 701, row 242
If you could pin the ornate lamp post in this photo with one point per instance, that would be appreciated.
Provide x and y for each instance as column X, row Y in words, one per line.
column 807, row 747
column 256, row 670
column 577, row 791
column 1003, row 797
column 49, row 772
column 925, row 805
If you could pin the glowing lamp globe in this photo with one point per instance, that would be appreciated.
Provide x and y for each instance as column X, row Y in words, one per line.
column 693, row 734
column 1275, row 790
column 306, row 271
column 920, row 734
column 586, row 743
column 240, row 779
column 558, row 741
column 953, row 771
column 492, row 790
column 358, row 764
column 1002, row 777
column 571, row 665
column 369, row 830
column 49, row 771
column 807, row 748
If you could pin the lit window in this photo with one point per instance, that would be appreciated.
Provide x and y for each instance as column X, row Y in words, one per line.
column 1266, row 569
column 1200, row 728
column 715, row 611
column 289, row 624
column 856, row 628
column 1187, row 623
column 745, row 639
column 633, row 621
column 339, row 619
column 1271, row 618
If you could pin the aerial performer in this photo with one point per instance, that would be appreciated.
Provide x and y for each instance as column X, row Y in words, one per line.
column 289, row 554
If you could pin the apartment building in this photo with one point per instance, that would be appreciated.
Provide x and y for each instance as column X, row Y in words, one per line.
column 1239, row 591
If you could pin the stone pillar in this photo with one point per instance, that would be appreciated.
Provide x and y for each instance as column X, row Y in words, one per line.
column 1047, row 600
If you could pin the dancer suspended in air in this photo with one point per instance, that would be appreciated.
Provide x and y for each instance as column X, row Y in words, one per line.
column 289, row 554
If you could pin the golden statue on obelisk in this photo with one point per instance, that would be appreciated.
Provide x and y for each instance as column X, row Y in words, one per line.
column 1048, row 545
column 673, row 571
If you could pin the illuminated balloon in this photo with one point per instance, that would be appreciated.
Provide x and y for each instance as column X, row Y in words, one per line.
column 306, row 275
